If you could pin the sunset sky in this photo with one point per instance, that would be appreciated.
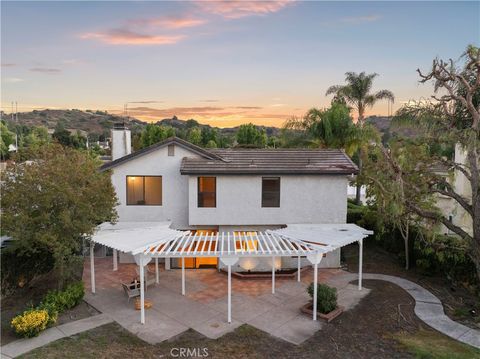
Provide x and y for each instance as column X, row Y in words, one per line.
column 222, row 63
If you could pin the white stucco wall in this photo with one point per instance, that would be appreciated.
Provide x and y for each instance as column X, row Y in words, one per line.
column 174, row 187
column 303, row 199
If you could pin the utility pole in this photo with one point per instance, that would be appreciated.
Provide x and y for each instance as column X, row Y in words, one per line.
column 16, row 126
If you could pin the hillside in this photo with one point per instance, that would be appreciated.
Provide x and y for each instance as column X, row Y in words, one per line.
column 100, row 122
column 91, row 122
column 384, row 125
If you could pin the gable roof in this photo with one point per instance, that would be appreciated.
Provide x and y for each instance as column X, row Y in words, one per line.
column 271, row 161
column 171, row 140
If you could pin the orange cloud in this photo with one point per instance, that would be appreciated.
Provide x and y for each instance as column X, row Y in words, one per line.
column 239, row 9
column 215, row 116
column 128, row 37
column 170, row 22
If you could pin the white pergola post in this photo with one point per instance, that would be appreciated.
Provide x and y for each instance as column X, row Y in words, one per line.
column 229, row 261
column 273, row 275
column 299, row 265
column 315, row 259
column 156, row 271
column 360, row 263
column 92, row 266
column 183, row 276
column 142, row 260
column 167, row 264
column 142, row 292
column 115, row 260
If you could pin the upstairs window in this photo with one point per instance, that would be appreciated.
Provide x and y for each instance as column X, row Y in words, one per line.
column 144, row 190
column 271, row 192
column 207, row 191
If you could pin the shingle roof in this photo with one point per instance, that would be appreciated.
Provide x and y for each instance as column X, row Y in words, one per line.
column 175, row 140
column 271, row 161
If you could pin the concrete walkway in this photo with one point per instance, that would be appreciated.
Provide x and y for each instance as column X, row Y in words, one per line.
column 204, row 307
column 23, row 346
column 427, row 307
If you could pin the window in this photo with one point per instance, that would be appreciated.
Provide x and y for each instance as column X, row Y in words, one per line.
column 207, row 192
column 144, row 190
column 171, row 150
column 271, row 192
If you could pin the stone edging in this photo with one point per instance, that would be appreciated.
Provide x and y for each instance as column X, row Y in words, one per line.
column 22, row 346
column 429, row 309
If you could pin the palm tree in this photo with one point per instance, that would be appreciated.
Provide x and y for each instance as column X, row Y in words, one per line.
column 357, row 93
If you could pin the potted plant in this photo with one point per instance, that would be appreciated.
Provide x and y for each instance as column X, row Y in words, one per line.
column 327, row 307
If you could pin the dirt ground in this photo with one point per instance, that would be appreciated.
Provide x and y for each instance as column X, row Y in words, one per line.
column 460, row 304
column 367, row 331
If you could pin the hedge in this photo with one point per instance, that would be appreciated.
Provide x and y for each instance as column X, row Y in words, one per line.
column 34, row 320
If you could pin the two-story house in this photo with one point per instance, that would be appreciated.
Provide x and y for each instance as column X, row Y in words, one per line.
column 229, row 190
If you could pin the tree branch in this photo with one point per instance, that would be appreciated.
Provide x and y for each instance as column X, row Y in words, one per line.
column 437, row 217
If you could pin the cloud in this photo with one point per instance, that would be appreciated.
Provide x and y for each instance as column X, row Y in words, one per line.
column 13, row 80
column 239, row 9
column 46, row 70
column 169, row 22
column 249, row 107
column 146, row 102
column 124, row 36
column 360, row 19
column 9, row 65
column 209, row 100
column 73, row 62
column 278, row 105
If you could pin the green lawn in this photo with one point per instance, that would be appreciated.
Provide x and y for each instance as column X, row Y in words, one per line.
column 428, row 344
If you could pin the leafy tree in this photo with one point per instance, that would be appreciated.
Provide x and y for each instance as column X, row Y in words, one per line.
column 211, row 144
column 330, row 128
column 191, row 124
column 6, row 139
column 53, row 202
column 249, row 135
column 357, row 92
column 29, row 144
column 454, row 118
column 62, row 135
column 388, row 190
column 154, row 133
column 195, row 136
column 208, row 134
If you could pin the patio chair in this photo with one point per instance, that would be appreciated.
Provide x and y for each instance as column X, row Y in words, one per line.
column 149, row 276
column 131, row 291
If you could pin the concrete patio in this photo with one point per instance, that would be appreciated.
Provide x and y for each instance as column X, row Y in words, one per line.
column 204, row 307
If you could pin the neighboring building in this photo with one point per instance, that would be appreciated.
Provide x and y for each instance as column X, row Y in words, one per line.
column 229, row 190
column 449, row 207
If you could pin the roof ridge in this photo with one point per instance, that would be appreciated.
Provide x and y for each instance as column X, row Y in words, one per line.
column 158, row 145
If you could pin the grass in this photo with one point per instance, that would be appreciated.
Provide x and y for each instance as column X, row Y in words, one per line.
column 112, row 341
column 431, row 345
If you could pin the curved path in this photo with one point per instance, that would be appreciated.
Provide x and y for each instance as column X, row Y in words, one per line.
column 428, row 308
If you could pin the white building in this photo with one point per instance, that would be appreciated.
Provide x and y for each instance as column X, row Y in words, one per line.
column 229, row 190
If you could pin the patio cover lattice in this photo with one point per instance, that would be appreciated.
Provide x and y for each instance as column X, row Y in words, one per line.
column 147, row 240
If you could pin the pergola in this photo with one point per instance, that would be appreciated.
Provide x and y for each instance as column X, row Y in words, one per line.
column 147, row 241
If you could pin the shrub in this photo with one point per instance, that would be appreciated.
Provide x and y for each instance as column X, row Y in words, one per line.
column 30, row 323
column 52, row 312
column 60, row 301
column 326, row 297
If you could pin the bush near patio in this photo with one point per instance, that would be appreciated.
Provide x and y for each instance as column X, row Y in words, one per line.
column 31, row 322
column 34, row 320
column 326, row 297
column 432, row 254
